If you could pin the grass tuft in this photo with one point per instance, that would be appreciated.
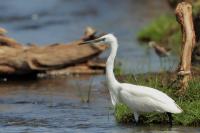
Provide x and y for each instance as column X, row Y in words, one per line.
column 123, row 114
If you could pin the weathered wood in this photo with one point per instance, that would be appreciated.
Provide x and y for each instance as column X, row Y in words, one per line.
column 19, row 59
column 3, row 31
column 89, row 67
column 6, row 41
column 184, row 17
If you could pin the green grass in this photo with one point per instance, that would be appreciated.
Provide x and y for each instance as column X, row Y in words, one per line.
column 189, row 103
column 123, row 114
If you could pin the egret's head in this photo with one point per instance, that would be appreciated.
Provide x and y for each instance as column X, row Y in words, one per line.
column 107, row 39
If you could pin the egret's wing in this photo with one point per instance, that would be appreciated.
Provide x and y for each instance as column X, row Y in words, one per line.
column 150, row 97
column 139, row 103
column 143, row 91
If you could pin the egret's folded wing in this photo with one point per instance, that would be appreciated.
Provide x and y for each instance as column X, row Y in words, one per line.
column 143, row 91
column 149, row 97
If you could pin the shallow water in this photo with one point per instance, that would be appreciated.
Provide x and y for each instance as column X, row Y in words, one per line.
column 62, row 105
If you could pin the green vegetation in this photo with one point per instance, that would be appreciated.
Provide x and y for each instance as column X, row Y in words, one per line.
column 158, row 29
column 118, row 69
column 163, row 30
column 123, row 114
column 189, row 103
column 196, row 7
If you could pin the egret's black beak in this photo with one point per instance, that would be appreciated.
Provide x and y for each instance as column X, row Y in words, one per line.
column 93, row 41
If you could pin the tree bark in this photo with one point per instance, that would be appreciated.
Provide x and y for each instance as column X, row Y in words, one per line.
column 184, row 17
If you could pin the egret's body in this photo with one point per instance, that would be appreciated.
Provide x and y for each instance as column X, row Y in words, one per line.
column 137, row 98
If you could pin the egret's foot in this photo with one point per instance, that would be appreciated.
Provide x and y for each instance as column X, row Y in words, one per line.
column 170, row 118
column 136, row 123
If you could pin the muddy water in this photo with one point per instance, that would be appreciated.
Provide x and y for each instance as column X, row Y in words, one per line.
column 75, row 104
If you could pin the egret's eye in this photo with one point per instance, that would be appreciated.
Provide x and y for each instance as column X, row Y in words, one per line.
column 103, row 39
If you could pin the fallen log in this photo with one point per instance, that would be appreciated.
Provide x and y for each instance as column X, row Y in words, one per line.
column 84, row 68
column 71, row 58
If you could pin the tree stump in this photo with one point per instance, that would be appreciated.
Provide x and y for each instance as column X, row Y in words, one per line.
column 184, row 17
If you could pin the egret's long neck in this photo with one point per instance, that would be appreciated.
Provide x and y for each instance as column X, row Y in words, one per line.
column 110, row 65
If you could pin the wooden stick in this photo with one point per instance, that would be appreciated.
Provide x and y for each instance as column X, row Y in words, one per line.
column 184, row 17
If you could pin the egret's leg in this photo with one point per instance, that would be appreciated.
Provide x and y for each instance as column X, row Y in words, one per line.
column 136, row 116
column 170, row 118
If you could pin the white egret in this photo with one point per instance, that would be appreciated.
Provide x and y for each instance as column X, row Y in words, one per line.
column 137, row 98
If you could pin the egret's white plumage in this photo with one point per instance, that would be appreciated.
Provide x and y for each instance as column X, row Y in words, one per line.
column 137, row 98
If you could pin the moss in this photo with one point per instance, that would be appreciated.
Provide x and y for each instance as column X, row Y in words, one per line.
column 189, row 103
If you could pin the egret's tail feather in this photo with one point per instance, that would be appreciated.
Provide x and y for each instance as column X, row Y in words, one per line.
column 178, row 110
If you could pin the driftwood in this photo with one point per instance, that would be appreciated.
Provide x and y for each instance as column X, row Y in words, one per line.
column 71, row 58
column 184, row 17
